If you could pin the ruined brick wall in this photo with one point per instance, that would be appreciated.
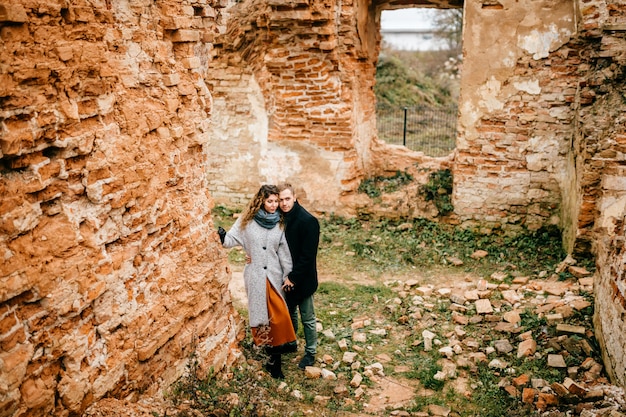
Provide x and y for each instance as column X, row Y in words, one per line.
column 515, row 123
column 294, row 80
column 601, row 150
column 110, row 271
column 542, row 136
column 610, row 295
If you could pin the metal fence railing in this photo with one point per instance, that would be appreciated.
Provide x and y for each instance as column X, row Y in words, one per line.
column 431, row 130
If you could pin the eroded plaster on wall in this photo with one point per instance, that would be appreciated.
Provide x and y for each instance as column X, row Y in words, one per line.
column 611, row 208
column 501, row 118
column 246, row 158
column 303, row 163
column 527, row 86
column 540, row 42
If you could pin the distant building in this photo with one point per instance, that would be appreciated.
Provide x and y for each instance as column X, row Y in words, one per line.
column 412, row 39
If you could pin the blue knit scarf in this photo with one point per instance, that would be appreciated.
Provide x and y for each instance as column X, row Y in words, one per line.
column 265, row 219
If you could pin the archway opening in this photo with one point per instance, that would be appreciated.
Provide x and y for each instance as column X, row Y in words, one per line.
column 417, row 78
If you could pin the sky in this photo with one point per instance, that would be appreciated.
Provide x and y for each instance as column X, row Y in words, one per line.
column 412, row 18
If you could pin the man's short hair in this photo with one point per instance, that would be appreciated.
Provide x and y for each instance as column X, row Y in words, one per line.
column 286, row 186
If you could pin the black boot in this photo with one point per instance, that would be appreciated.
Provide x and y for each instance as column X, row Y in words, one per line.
column 275, row 366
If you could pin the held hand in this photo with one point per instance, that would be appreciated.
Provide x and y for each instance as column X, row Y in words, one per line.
column 287, row 285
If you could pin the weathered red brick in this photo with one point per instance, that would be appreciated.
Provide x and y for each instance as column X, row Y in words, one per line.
column 528, row 395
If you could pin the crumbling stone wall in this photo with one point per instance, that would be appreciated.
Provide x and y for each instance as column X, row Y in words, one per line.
column 600, row 152
column 110, row 272
column 292, row 83
column 288, row 76
column 515, row 124
column 541, row 131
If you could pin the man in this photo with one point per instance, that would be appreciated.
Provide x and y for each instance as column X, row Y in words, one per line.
column 302, row 231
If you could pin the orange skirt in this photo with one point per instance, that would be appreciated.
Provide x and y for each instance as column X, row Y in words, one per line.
column 280, row 329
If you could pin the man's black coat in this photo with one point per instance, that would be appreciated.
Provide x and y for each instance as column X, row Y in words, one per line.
column 302, row 231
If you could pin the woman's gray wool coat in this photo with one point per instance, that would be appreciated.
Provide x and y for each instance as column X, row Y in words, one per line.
column 270, row 256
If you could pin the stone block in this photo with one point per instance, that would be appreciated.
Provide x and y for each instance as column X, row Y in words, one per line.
column 521, row 280
column 24, row 161
column 594, row 394
column 511, row 296
column 563, row 328
column 457, row 298
column 521, row 380
column 512, row 317
column 564, row 311
column 186, row 35
column 171, row 80
column 471, row 295
column 12, row 339
column 556, row 361
column 579, row 304
column 483, row 306
column 359, row 337
column 528, row 395
column 503, row 346
column 35, row 394
column 349, row 357
column 499, row 276
column 356, row 380
column 460, row 319
column 546, row 400
column 65, row 53
column 72, row 392
column 526, row 348
column 341, row 390
column 554, row 318
column 512, row 391
column 15, row 139
column 313, row 372
column 578, row 271
column 328, row 45
column 559, row 389
column 328, row 375
column 191, row 62
column 49, row 170
column 12, row 13
column 574, row 387
column 424, row 291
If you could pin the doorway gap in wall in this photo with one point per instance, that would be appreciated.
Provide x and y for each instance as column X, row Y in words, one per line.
column 418, row 77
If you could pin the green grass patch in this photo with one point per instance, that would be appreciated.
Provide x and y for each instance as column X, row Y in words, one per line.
column 425, row 367
column 375, row 187
column 378, row 246
column 489, row 400
column 438, row 189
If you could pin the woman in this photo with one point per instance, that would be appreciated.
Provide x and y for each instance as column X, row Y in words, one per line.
column 261, row 234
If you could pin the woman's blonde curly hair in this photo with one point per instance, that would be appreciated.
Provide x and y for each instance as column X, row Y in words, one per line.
column 257, row 203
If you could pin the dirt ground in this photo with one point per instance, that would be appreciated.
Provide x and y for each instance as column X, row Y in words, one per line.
column 387, row 392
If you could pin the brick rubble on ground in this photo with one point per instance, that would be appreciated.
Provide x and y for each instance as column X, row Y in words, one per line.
column 496, row 322
column 498, row 308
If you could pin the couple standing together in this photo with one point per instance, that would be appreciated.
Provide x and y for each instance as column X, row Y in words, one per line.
column 281, row 274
